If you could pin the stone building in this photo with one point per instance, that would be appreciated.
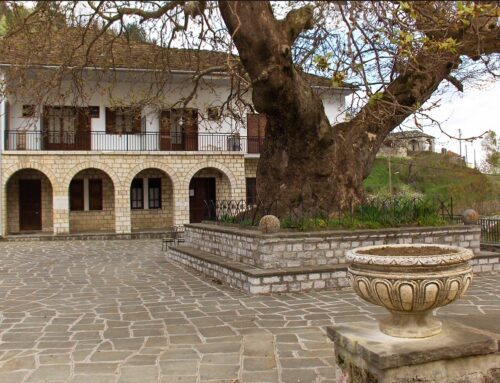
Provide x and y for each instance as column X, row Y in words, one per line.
column 101, row 155
column 399, row 144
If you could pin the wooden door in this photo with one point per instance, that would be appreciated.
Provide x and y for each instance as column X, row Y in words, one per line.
column 201, row 190
column 30, row 205
column 165, row 141
column 256, row 131
column 191, row 129
column 83, row 128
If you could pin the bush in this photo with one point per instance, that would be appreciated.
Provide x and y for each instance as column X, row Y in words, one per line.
column 378, row 213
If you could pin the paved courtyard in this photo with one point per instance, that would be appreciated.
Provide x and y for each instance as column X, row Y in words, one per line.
column 118, row 311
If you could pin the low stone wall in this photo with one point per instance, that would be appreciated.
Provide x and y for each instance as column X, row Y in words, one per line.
column 298, row 249
column 260, row 281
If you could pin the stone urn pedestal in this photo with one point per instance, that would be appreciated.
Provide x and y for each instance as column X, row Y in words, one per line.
column 410, row 281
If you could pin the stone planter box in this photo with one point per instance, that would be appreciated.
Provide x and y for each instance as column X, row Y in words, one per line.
column 298, row 249
column 300, row 261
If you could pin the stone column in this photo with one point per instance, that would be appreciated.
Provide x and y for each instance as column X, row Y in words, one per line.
column 181, row 204
column 123, row 223
column 60, row 207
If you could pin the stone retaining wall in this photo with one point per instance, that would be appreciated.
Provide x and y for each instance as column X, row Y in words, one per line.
column 295, row 249
column 262, row 281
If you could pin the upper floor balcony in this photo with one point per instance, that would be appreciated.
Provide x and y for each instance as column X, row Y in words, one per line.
column 146, row 141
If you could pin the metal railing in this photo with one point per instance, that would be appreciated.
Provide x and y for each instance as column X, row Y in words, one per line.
column 155, row 141
column 490, row 228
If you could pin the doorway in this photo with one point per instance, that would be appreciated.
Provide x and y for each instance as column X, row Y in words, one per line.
column 30, row 205
column 201, row 190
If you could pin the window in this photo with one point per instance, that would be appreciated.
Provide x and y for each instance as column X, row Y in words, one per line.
column 61, row 124
column 76, row 195
column 93, row 111
column 95, row 194
column 126, row 120
column 214, row 113
column 154, row 193
column 29, row 110
column 251, row 191
column 136, row 194
column 184, row 122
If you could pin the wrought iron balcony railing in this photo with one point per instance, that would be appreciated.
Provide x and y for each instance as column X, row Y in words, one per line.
column 102, row 141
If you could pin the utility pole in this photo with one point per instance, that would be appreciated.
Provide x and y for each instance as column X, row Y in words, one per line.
column 466, row 160
column 390, row 178
column 460, row 141
column 475, row 163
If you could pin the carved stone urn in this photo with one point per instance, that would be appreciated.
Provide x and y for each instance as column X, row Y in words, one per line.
column 410, row 281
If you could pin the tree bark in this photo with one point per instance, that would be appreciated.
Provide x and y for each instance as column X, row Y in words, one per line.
column 308, row 167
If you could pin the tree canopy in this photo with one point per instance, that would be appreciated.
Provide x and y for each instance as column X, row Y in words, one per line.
column 395, row 55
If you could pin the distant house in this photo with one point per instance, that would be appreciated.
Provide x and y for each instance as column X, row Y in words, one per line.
column 400, row 143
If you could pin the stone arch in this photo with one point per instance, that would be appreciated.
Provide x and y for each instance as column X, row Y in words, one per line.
column 222, row 189
column 152, row 203
column 152, row 165
column 93, row 206
column 210, row 164
column 90, row 165
column 10, row 171
column 15, row 196
column 414, row 145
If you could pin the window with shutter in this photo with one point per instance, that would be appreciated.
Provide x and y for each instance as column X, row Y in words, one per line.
column 76, row 195
column 136, row 194
column 124, row 120
column 154, row 193
column 95, row 194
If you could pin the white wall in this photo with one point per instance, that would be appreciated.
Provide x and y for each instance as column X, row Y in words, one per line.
column 128, row 88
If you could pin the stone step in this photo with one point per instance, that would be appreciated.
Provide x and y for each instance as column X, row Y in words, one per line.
column 84, row 236
column 258, row 280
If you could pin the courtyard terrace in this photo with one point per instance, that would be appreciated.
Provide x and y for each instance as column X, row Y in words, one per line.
column 119, row 311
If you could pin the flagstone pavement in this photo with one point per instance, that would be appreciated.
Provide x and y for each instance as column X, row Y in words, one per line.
column 119, row 311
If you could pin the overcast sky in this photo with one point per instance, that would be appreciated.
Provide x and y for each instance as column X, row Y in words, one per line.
column 473, row 111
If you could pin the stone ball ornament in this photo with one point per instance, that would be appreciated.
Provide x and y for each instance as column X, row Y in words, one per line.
column 470, row 217
column 410, row 284
column 269, row 224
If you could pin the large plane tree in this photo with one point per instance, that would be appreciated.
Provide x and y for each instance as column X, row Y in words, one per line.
column 396, row 55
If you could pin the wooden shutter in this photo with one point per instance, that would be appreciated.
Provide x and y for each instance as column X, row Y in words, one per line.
column 262, row 125
column 95, row 194
column 137, row 123
column 110, row 121
column 165, row 121
column 191, row 129
column 191, row 125
column 251, row 186
column 252, row 125
column 7, row 115
column 137, row 194
column 76, row 195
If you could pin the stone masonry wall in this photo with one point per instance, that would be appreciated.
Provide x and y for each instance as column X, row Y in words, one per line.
column 292, row 249
column 144, row 219
column 251, row 167
column 60, row 167
column 85, row 221
column 307, row 280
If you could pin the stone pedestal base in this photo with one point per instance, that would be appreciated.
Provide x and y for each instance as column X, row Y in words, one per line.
column 458, row 354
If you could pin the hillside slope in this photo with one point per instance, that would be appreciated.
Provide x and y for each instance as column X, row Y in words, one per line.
column 432, row 174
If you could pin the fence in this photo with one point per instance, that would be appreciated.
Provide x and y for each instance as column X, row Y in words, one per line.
column 390, row 211
column 144, row 141
column 394, row 212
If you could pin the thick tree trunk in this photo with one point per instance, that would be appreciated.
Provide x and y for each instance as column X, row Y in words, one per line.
column 307, row 166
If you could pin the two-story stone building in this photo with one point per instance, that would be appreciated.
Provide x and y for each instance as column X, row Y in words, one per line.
column 100, row 154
